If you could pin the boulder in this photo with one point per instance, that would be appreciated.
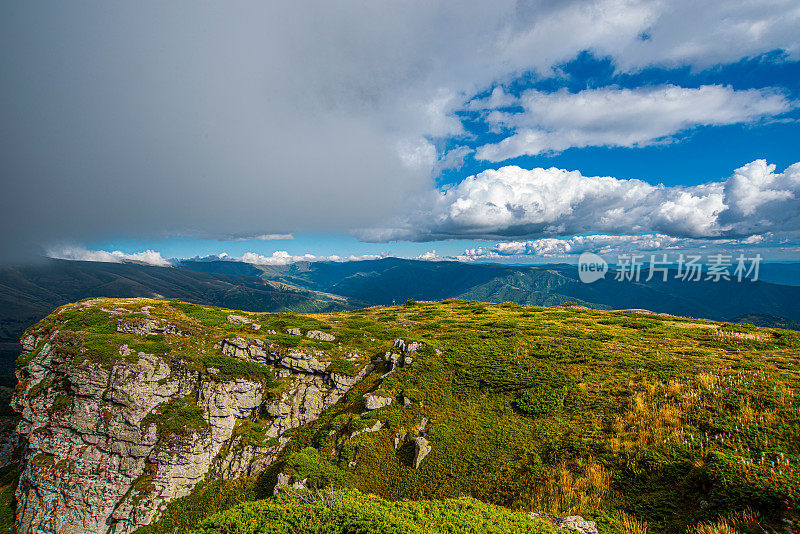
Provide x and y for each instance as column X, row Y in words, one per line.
column 374, row 402
column 374, row 428
column 574, row 523
column 421, row 449
column 578, row 524
column 320, row 336
column 237, row 319
column 403, row 346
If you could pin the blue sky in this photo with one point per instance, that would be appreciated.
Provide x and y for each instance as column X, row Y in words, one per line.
column 521, row 132
column 699, row 155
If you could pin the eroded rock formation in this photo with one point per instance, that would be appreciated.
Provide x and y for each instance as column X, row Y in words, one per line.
column 96, row 453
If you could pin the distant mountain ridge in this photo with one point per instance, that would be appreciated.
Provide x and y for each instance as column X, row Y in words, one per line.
column 387, row 280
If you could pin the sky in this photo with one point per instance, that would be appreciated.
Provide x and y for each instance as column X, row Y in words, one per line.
column 527, row 131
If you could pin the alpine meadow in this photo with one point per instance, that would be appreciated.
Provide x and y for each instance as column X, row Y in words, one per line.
column 374, row 267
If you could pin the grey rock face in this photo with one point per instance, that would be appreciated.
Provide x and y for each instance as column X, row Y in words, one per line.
column 293, row 359
column 320, row 336
column 237, row 319
column 421, row 450
column 375, row 402
column 147, row 327
column 574, row 523
column 405, row 346
column 93, row 459
column 83, row 455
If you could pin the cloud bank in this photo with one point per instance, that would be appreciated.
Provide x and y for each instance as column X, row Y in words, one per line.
column 511, row 203
column 76, row 253
column 553, row 122
column 151, row 257
column 607, row 245
column 281, row 257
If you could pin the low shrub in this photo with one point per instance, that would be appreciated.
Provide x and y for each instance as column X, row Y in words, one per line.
column 542, row 399
column 230, row 367
column 309, row 465
column 150, row 347
column 354, row 512
column 342, row 366
column 180, row 416
column 92, row 320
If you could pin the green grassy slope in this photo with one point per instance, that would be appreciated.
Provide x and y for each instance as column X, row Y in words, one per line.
column 617, row 417
column 28, row 293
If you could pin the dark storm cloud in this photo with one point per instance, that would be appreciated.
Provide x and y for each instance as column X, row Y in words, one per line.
column 205, row 121
column 143, row 119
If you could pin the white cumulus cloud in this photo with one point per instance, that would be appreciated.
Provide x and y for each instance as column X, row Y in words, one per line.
column 606, row 245
column 430, row 255
column 281, row 257
column 511, row 203
column 610, row 116
column 77, row 253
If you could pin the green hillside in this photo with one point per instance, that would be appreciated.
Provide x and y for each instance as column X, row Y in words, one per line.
column 623, row 418
column 29, row 293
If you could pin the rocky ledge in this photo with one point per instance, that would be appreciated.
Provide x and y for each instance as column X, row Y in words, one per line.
column 114, row 431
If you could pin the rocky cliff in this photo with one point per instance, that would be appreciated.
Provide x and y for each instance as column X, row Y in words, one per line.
column 127, row 404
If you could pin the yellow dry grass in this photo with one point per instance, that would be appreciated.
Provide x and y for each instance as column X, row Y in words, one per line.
column 738, row 522
column 628, row 524
column 582, row 489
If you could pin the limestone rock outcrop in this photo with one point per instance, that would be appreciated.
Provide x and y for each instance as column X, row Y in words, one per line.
column 421, row 450
column 374, row 401
column 573, row 523
column 95, row 458
column 320, row 336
